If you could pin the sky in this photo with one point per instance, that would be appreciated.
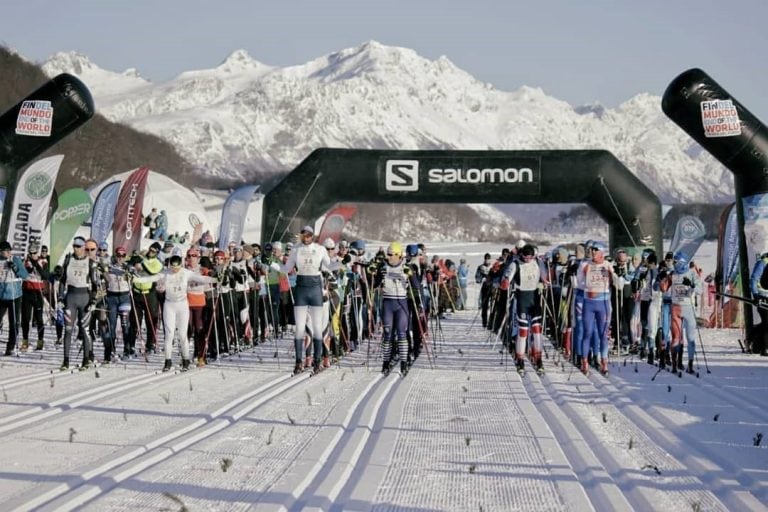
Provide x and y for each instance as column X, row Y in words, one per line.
column 602, row 51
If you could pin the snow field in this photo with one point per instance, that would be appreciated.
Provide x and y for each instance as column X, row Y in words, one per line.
column 470, row 434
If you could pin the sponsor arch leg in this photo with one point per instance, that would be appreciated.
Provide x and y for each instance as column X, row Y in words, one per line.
column 727, row 130
column 330, row 176
column 36, row 123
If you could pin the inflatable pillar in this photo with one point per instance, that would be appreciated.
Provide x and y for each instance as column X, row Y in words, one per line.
column 36, row 123
column 739, row 140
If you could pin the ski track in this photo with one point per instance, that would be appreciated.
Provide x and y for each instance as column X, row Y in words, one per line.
column 470, row 434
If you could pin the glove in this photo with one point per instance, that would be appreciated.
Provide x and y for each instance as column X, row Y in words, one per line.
column 346, row 259
column 408, row 271
column 687, row 282
column 60, row 305
column 504, row 284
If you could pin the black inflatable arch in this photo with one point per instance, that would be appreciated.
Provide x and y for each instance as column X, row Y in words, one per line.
column 597, row 178
column 70, row 105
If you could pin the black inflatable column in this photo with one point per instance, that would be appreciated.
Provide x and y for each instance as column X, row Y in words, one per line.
column 740, row 141
column 36, row 123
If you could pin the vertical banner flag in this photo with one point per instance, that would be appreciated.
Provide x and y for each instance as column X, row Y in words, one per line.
column 2, row 199
column 233, row 215
column 126, row 230
column 30, row 204
column 104, row 212
column 334, row 222
column 74, row 209
column 689, row 234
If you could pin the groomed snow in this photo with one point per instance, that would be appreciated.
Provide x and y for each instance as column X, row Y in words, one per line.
column 463, row 431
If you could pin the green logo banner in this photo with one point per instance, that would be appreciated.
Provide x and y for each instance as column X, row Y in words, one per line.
column 74, row 209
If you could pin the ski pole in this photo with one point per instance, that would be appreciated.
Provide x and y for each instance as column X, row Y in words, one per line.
column 701, row 343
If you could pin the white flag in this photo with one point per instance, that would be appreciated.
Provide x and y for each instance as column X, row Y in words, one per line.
column 30, row 204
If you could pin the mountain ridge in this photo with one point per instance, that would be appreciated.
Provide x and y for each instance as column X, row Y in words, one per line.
column 244, row 121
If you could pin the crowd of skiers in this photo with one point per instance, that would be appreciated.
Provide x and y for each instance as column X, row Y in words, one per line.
column 590, row 303
column 225, row 300
column 337, row 294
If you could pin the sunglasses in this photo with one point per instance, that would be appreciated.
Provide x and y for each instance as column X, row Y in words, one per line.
column 91, row 250
column 120, row 255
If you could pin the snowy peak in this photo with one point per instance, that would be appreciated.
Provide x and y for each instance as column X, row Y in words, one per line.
column 100, row 81
column 239, row 61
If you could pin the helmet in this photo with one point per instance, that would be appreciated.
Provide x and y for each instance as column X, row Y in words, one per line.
column 33, row 248
column 288, row 246
column 343, row 244
column 412, row 250
column 588, row 245
column 357, row 248
column 646, row 253
column 104, row 246
column 395, row 249
column 599, row 246
column 328, row 243
column 278, row 246
column 193, row 252
column 154, row 247
column 219, row 254
column 520, row 244
column 681, row 262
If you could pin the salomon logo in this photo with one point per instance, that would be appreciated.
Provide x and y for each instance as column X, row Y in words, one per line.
column 402, row 175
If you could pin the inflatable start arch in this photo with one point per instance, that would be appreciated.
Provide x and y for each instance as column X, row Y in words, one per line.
column 597, row 178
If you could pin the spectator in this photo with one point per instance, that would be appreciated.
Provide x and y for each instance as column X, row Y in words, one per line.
column 161, row 233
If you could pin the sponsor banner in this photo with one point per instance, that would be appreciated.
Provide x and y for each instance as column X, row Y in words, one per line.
column 104, row 212
column 755, row 226
column 30, row 204
column 126, row 229
column 729, row 244
column 74, row 209
column 719, row 118
column 467, row 175
column 197, row 228
column 689, row 234
column 334, row 223
column 233, row 215
column 35, row 118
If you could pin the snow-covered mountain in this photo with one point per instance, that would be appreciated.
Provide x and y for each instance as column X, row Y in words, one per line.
column 244, row 117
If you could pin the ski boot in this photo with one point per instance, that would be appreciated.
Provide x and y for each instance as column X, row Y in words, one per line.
column 520, row 364
column 167, row 366
column 87, row 364
column 200, row 362
column 680, row 358
column 317, row 367
column 539, row 367
column 326, row 362
column 603, row 367
column 650, row 356
column 65, row 365
column 298, row 368
column 24, row 345
column 184, row 365
column 403, row 368
column 663, row 359
column 385, row 368
column 40, row 345
column 690, row 366
column 585, row 366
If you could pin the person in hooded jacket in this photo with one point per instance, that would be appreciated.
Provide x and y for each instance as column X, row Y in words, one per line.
column 12, row 273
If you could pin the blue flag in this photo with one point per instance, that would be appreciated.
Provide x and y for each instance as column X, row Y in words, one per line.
column 103, row 214
column 689, row 234
column 233, row 215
